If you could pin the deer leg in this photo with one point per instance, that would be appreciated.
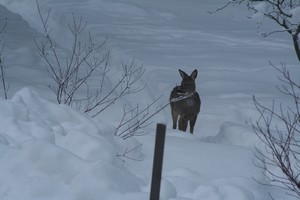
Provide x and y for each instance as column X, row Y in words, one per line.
column 175, row 118
column 183, row 123
column 180, row 123
column 193, row 119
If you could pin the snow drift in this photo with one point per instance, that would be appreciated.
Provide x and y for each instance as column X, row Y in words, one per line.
column 51, row 151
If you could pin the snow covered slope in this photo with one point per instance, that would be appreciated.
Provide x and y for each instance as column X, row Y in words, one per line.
column 51, row 151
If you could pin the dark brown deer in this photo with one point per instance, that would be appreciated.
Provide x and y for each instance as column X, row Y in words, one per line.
column 185, row 102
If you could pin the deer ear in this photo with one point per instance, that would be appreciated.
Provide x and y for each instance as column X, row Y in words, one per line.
column 194, row 74
column 182, row 73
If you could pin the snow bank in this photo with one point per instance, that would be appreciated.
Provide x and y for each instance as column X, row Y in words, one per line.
column 51, row 151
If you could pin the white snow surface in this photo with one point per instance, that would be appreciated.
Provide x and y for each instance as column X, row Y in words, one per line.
column 52, row 151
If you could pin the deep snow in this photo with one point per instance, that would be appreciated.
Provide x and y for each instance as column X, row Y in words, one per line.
column 51, row 151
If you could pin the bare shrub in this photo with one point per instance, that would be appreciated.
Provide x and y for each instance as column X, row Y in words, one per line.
column 85, row 70
column 278, row 128
column 68, row 72
column 72, row 74
column 126, row 85
column 134, row 120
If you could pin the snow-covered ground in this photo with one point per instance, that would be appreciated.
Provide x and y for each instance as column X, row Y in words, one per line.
column 51, row 151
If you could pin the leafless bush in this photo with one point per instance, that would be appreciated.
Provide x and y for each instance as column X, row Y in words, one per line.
column 278, row 128
column 135, row 120
column 69, row 73
column 72, row 74
column 126, row 85
column 127, row 154
column 278, row 125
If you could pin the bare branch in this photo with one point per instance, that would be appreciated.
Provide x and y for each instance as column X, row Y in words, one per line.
column 231, row 2
column 5, row 86
column 279, row 130
column 2, row 76
column 125, row 86
column 127, row 152
column 79, row 67
column 73, row 73
column 138, row 120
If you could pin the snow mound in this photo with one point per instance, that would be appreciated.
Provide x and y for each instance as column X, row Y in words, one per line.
column 47, row 147
column 232, row 133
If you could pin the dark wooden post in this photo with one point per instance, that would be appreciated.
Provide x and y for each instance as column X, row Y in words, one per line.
column 158, row 161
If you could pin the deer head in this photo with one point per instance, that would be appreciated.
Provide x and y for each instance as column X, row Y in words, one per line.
column 188, row 85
